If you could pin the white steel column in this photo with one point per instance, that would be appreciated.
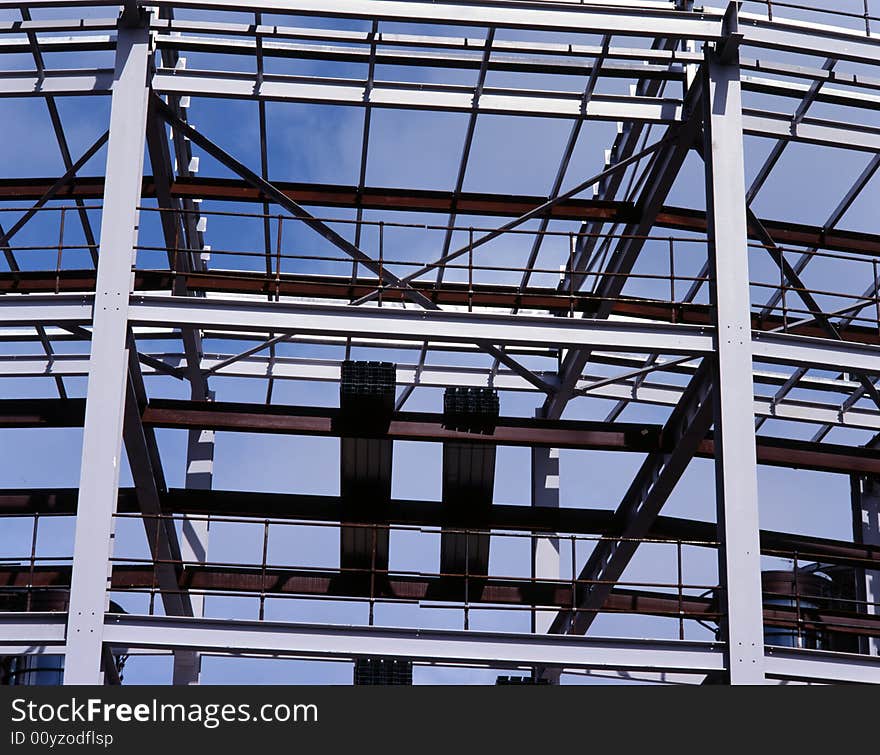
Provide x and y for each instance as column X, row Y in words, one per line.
column 194, row 541
column 199, row 476
column 545, row 549
column 866, row 530
column 735, row 465
column 108, row 362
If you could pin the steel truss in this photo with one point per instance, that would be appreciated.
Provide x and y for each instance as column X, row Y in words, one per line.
column 699, row 83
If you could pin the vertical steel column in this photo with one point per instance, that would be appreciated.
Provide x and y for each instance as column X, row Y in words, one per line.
column 194, row 542
column 866, row 530
column 545, row 549
column 735, row 464
column 199, row 476
column 108, row 362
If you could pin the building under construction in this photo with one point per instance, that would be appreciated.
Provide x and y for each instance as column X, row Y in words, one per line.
column 395, row 342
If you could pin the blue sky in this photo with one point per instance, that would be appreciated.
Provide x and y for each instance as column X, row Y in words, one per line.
column 414, row 150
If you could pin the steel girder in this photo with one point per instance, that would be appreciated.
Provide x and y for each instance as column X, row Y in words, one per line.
column 825, row 236
column 661, row 173
column 637, row 19
column 702, row 402
column 32, row 632
column 420, row 426
column 419, row 97
column 108, row 370
column 246, row 316
column 441, row 376
column 457, row 52
column 754, row 31
column 427, row 645
column 449, row 99
column 543, row 518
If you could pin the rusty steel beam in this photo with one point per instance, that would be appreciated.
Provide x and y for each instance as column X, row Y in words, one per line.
column 15, row 581
column 517, row 432
column 306, row 507
column 446, row 293
column 352, row 584
column 418, row 200
column 19, row 413
column 510, row 431
column 419, row 426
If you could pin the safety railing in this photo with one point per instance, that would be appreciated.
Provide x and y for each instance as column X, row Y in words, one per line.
column 811, row 604
column 667, row 283
column 374, row 581
column 840, row 12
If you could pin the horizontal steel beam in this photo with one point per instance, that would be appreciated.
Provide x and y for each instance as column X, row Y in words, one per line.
column 257, row 418
column 20, row 26
column 56, row 83
column 530, row 300
column 429, row 50
column 304, row 507
column 31, row 630
column 356, row 584
column 839, row 668
column 426, row 645
column 353, row 583
column 806, row 37
column 613, row 335
column 253, row 418
column 310, row 44
column 402, row 426
column 811, row 131
column 438, row 376
column 368, row 322
column 799, row 90
column 494, row 649
column 779, row 348
column 399, row 95
column 56, row 310
column 635, row 20
column 417, row 325
column 35, row 631
column 447, row 52
column 644, row 19
column 470, row 203
column 437, row 97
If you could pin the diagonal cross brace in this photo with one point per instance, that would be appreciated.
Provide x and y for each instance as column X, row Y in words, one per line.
column 329, row 234
column 6, row 237
column 809, row 301
column 684, row 431
column 665, row 169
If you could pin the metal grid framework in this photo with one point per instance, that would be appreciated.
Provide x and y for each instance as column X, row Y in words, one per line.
column 596, row 291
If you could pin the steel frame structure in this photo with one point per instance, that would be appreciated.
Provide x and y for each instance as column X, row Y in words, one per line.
column 698, row 77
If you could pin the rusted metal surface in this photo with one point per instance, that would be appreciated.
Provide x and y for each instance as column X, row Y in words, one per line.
column 305, row 507
column 42, row 412
column 466, row 203
column 820, row 457
column 446, row 293
column 415, row 426
column 356, row 584
column 509, row 431
column 419, row 588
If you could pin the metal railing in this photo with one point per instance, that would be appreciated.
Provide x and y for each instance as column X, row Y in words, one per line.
column 659, row 279
column 809, row 616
